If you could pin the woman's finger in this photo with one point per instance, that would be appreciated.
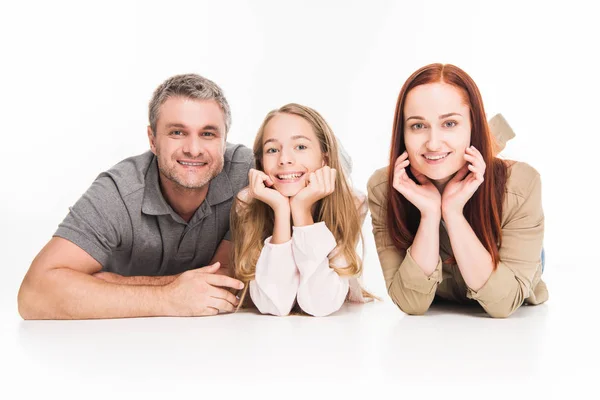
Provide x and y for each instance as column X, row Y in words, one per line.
column 402, row 157
column 421, row 178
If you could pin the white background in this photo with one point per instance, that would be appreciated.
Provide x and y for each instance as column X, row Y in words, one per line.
column 76, row 78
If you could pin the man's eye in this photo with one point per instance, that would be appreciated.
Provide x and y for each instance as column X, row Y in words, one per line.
column 176, row 133
column 208, row 134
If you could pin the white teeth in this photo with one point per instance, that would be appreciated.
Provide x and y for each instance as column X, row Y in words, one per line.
column 289, row 176
column 198, row 164
column 437, row 157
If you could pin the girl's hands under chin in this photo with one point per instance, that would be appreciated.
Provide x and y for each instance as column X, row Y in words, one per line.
column 320, row 184
column 260, row 187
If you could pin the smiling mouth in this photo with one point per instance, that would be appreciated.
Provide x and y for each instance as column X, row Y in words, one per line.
column 436, row 157
column 292, row 177
column 192, row 164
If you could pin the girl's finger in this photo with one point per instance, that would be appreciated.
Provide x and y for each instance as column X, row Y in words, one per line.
column 312, row 179
column 268, row 181
column 333, row 173
column 323, row 182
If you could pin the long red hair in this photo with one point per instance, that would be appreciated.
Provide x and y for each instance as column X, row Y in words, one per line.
column 484, row 210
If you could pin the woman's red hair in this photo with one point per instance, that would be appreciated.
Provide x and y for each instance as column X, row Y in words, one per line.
column 484, row 210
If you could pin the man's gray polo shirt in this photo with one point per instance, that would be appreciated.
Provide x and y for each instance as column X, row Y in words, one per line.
column 124, row 222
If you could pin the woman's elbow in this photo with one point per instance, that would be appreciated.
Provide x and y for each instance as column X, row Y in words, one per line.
column 500, row 312
column 410, row 306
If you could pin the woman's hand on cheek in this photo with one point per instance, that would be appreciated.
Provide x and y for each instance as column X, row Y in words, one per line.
column 424, row 195
column 260, row 189
column 320, row 184
column 464, row 184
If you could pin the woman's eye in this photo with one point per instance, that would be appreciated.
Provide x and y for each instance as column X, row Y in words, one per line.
column 450, row 124
column 301, row 147
column 271, row 150
column 417, row 126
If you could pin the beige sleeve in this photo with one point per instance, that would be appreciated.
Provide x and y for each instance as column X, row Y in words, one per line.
column 501, row 132
column 520, row 256
column 407, row 285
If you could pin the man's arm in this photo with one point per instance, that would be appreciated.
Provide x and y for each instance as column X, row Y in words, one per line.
column 222, row 255
column 112, row 277
column 60, row 285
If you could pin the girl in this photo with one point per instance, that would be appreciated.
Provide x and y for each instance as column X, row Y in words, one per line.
column 449, row 218
column 297, row 224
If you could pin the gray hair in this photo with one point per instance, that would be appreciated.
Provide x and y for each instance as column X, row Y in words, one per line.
column 191, row 86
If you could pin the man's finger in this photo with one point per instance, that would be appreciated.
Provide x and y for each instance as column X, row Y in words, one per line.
column 223, row 294
column 224, row 281
column 211, row 269
column 221, row 305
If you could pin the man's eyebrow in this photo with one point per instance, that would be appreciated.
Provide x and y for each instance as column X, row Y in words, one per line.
column 175, row 125
column 204, row 128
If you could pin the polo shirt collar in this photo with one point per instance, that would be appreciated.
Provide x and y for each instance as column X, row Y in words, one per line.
column 154, row 202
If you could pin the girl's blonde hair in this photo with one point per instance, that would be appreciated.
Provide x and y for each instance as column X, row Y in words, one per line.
column 252, row 220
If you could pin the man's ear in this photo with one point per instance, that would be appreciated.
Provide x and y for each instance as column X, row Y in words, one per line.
column 152, row 140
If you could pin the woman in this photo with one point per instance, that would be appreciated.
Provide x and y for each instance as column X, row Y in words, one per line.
column 296, row 226
column 449, row 218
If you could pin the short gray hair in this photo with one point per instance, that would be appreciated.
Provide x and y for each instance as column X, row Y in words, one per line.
column 191, row 86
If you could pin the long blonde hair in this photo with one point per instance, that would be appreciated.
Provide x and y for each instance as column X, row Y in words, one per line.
column 252, row 221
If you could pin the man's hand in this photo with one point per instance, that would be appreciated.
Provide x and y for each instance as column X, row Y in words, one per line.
column 201, row 292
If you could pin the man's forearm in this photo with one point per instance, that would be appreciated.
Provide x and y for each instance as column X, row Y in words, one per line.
column 111, row 277
column 63, row 293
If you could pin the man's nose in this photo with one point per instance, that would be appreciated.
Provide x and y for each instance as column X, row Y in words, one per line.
column 193, row 146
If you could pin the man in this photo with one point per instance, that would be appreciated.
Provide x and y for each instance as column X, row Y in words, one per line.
column 133, row 243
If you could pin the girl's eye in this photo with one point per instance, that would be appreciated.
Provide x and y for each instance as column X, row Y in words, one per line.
column 450, row 124
column 301, row 147
column 271, row 151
